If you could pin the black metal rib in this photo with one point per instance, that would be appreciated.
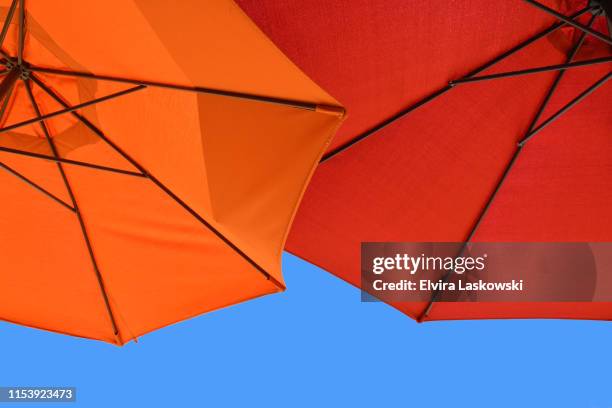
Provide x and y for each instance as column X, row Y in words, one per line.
column 7, row 22
column 435, row 296
column 606, row 6
column 6, row 57
column 156, row 181
column 22, row 29
column 558, row 78
column 447, row 88
column 72, row 108
column 383, row 124
column 79, row 216
column 558, row 67
column 567, row 107
column 239, row 95
column 569, row 21
column 8, row 82
column 69, row 161
column 36, row 186
column 5, row 101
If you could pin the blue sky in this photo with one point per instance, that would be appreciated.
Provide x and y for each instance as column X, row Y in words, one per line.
column 318, row 345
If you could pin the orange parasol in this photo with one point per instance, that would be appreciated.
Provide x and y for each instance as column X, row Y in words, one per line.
column 154, row 158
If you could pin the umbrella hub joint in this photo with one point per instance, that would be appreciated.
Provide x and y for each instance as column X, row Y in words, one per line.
column 23, row 68
column 24, row 71
column 601, row 7
column 24, row 74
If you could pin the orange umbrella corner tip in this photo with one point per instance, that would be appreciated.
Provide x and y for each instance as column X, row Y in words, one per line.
column 331, row 110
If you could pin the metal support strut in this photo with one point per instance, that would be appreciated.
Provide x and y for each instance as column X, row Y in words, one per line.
column 154, row 179
column 435, row 95
column 531, row 131
column 79, row 215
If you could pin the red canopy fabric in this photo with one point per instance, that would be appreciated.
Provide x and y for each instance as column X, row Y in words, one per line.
column 429, row 175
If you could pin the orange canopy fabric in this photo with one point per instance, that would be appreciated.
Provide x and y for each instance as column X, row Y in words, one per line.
column 173, row 194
